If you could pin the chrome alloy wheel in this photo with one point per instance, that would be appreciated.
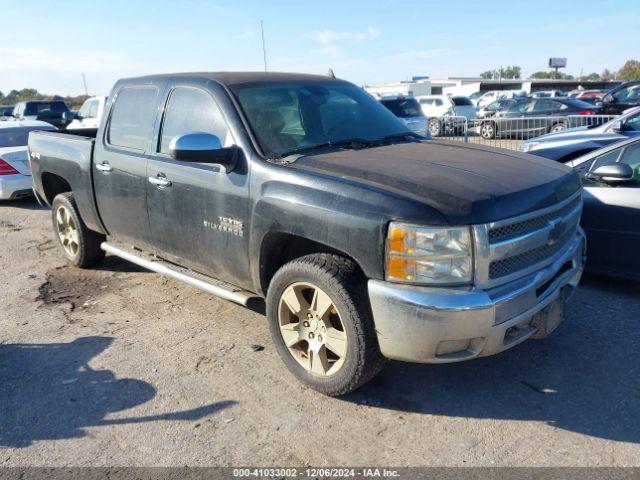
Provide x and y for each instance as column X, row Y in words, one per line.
column 67, row 231
column 312, row 329
column 486, row 131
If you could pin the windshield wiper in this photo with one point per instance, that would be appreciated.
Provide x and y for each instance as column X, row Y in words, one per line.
column 349, row 143
column 401, row 136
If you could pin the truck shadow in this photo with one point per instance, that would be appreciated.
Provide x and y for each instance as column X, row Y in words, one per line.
column 585, row 377
column 49, row 392
column 28, row 203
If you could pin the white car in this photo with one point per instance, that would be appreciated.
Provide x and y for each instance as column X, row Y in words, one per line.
column 492, row 95
column 435, row 107
column 548, row 94
column 15, row 171
column 407, row 109
column 90, row 114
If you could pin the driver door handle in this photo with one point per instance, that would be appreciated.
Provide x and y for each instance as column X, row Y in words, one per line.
column 104, row 167
column 160, row 181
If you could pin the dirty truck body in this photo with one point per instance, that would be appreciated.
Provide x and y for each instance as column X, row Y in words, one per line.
column 367, row 241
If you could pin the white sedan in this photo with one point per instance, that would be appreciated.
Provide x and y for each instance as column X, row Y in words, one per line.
column 15, row 172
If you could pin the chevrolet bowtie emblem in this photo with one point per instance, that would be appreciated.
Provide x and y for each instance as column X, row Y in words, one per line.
column 557, row 229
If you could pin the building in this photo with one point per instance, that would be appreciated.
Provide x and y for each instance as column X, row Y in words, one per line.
column 469, row 85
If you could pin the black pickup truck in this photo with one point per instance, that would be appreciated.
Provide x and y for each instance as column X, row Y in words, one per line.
column 367, row 241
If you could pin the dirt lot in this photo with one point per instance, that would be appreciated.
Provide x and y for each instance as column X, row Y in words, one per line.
column 119, row 366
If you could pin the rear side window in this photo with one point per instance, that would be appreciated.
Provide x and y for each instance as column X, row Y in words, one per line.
column 132, row 118
column 461, row 101
column 403, row 107
column 546, row 105
column 192, row 110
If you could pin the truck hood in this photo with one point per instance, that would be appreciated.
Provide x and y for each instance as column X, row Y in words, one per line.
column 464, row 184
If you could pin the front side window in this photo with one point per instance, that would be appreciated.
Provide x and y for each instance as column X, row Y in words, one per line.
column 545, row 106
column 518, row 107
column 631, row 156
column 289, row 116
column 132, row 118
column 631, row 92
column 606, row 159
column 192, row 110
column 404, row 107
column 461, row 101
column 632, row 124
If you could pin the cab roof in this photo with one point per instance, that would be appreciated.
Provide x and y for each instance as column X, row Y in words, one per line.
column 239, row 78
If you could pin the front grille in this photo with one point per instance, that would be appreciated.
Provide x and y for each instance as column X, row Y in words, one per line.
column 509, row 265
column 516, row 229
column 527, row 241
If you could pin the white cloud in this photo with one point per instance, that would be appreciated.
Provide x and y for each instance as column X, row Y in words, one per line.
column 329, row 36
column 332, row 51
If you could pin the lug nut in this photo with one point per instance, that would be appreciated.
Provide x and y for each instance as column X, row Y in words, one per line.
column 319, row 338
column 306, row 324
column 311, row 335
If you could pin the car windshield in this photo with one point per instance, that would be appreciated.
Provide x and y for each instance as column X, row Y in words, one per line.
column 36, row 108
column 17, row 137
column 461, row 101
column 287, row 117
column 403, row 107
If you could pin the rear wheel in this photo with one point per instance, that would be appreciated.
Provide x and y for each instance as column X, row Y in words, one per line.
column 321, row 323
column 488, row 130
column 558, row 127
column 80, row 245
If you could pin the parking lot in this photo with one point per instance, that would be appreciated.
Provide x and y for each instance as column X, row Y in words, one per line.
column 119, row 366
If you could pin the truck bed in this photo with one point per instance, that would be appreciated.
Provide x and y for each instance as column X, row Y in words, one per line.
column 54, row 156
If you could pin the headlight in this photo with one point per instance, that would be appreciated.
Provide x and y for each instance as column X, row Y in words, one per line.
column 429, row 255
column 528, row 146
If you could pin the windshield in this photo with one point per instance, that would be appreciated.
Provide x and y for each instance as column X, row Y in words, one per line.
column 36, row 108
column 292, row 116
column 461, row 101
column 17, row 137
column 403, row 107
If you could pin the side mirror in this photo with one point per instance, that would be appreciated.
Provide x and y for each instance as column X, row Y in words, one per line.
column 608, row 98
column 200, row 147
column 614, row 173
column 617, row 126
column 70, row 116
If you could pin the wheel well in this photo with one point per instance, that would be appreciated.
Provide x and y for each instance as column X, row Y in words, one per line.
column 279, row 248
column 53, row 185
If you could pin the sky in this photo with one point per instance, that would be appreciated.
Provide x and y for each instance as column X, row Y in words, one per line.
column 48, row 44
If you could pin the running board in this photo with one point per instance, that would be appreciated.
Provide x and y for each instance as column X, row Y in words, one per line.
column 210, row 285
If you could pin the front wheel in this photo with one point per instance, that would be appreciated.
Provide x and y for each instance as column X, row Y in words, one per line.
column 321, row 323
column 80, row 245
column 557, row 127
column 435, row 127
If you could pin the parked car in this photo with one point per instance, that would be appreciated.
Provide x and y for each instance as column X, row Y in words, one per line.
column 621, row 98
column 589, row 96
column 15, row 174
column 548, row 94
column 494, row 107
column 611, row 216
column 89, row 114
column 492, row 95
column 438, row 107
column 533, row 117
column 51, row 112
column 6, row 111
column 367, row 241
column 407, row 109
column 575, row 142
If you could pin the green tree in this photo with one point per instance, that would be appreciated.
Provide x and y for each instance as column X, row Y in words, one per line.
column 551, row 74
column 508, row 72
column 629, row 71
column 488, row 75
column 592, row 77
column 607, row 75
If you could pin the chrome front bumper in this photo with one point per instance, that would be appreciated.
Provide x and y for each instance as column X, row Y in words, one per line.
column 440, row 325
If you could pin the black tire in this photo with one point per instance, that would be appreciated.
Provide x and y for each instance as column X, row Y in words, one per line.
column 488, row 130
column 345, row 285
column 88, row 251
column 435, row 127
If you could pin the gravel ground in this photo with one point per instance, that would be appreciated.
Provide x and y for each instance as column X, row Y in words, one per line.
column 119, row 366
